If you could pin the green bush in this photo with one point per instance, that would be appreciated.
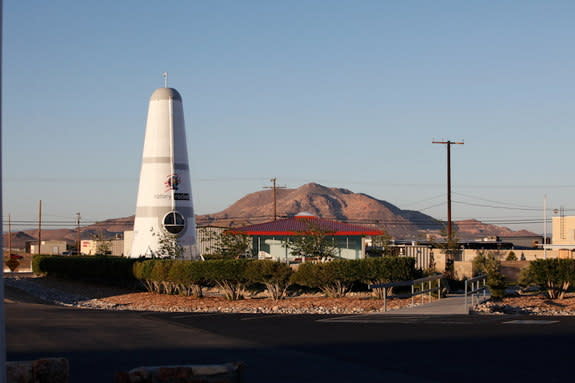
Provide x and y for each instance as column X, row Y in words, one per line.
column 487, row 263
column 188, row 277
column 334, row 278
column 554, row 275
column 229, row 275
column 102, row 268
column 387, row 269
column 159, row 276
column 511, row 256
column 274, row 275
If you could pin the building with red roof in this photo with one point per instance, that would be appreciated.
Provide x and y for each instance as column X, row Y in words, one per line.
column 270, row 238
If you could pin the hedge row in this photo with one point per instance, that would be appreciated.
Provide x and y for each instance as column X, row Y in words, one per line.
column 336, row 278
column 233, row 277
column 111, row 269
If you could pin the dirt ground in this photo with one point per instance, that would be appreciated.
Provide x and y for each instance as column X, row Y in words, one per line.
column 100, row 296
column 536, row 304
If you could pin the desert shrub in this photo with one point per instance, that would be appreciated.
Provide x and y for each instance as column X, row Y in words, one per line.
column 142, row 271
column 334, row 278
column 188, row 277
column 511, row 256
column 487, row 263
column 102, row 268
column 274, row 275
column 228, row 275
column 159, row 276
column 387, row 269
column 554, row 275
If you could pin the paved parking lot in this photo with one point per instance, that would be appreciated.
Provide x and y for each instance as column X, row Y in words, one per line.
column 298, row 348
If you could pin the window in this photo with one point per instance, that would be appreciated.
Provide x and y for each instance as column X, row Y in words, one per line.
column 174, row 223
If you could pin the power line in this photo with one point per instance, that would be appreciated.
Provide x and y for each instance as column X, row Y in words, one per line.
column 496, row 206
column 501, row 202
column 422, row 200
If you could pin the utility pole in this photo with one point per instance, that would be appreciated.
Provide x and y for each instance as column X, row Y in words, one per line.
column 545, row 226
column 3, row 377
column 274, row 188
column 9, row 236
column 449, row 223
column 78, row 232
column 39, row 226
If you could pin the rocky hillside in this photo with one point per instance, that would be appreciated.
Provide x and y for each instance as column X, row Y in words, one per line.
column 345, row 205
column 332, row 203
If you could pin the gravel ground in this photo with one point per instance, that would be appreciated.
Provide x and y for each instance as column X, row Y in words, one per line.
column 535, row 304
column 90, row 296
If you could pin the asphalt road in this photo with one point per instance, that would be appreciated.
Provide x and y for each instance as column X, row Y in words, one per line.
column 300, row 348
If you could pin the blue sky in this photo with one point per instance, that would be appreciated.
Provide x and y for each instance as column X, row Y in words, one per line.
column 344, row 93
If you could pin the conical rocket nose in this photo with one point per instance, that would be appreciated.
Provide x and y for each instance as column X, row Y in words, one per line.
column 165, row 222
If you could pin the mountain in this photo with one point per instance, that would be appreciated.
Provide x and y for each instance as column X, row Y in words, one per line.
column 107, row 229
column 344, row 205
column 332, row 203
column 472, row 228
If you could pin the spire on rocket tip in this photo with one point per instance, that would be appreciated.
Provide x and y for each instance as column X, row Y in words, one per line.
column 165, row 76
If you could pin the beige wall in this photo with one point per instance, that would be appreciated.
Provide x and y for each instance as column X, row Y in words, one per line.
column 563, row 231
column 89, row 246
column 128, row 236
column 530, row 255
column 462, row 270
column 49, row 247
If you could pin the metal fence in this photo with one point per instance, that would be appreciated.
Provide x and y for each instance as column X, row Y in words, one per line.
column 473, row 288
column 418, row 287
column 423, row 254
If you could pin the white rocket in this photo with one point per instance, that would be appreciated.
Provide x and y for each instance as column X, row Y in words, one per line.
column 164, row 208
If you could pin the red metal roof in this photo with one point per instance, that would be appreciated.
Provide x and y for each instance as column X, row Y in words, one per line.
column 301, row 224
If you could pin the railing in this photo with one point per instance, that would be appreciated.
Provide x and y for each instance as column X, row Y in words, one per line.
column 416, row 282
column 473, row 287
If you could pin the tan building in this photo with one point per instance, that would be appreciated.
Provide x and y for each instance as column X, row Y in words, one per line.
column 48, row 247
column 563, row 236
column 91, row 246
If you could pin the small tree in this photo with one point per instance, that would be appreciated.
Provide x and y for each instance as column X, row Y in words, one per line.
column 103, row 245
column 451, row 248
column 227, row 244
column 511, row 256
column 489, row 264
column 169, row 246
column 382, row 242
column 313, row 242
